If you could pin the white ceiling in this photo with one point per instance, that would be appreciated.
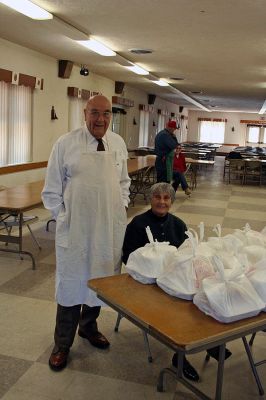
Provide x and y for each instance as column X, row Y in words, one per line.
column 217, row 46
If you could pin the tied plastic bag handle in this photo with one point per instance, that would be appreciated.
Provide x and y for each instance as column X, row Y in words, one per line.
column 247, row 228
column 193, row 238
column 219, row 266
column 201, row 231
column 151, row 239
column 218, row 230
column 149, row 234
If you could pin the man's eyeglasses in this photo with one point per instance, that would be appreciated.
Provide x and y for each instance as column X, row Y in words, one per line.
column 96, row 114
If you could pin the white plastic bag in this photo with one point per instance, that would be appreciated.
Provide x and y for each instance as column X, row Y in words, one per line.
column 147, row 263
column 184, row 275
column 228, row 244
column 250, row 237
column 228, row 296
column 254, row 253
column 257, row 277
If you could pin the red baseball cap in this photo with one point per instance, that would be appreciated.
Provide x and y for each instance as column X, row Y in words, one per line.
column 171, row 124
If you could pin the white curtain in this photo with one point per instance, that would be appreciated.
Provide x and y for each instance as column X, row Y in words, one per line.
column 143, row 128
column 3, row 123
column 76, row 113
column 15, row 124
column 253, row 134
column 211, row 131
column 264, row 136
column 161, row 122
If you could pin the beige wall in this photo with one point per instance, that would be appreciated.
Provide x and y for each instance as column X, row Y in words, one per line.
column 45, row 131
column 233, row 120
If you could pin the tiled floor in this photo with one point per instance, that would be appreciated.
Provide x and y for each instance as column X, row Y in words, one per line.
column 122, row 372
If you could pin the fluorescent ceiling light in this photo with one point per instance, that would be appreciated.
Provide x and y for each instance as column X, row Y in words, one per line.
column 161, row 83
column 138, row 70
column 28, row 8
column 97, row 47
column 263, row 108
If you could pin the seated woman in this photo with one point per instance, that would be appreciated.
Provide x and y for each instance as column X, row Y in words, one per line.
column 179, row 168
column 165, row 227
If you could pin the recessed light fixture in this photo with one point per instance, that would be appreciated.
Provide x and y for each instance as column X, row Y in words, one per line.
column 141, row 51
column 195, row 92
column 176, row 79
column 28, row 8
column 161, row 82
column 138, row 70
column 97, row 47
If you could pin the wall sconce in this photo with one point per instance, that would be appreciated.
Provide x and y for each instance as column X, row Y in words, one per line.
column 134, row 121
column 233, row 129
column 53, row 114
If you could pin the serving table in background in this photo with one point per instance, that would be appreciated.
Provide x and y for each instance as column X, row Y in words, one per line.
column 177, row 323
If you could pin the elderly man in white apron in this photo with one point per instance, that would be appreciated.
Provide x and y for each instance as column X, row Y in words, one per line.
column 87, row 190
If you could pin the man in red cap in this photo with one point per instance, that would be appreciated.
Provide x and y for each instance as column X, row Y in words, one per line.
column 165, row 143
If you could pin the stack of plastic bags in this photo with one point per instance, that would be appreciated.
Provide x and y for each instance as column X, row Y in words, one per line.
column 225, row 276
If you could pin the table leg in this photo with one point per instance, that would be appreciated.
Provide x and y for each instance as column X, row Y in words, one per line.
column 220, row 371
column 253, row 366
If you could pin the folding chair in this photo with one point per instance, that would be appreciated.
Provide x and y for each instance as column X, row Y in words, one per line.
column 141, row 182
column 236, row 170
column 8, row 221
column 253, row 171
column 48, row 223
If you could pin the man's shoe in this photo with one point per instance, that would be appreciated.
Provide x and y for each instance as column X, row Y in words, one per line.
column 58, row 360
column 97, row 339
column 214, row 353
column 189, row 372
column 187, row 192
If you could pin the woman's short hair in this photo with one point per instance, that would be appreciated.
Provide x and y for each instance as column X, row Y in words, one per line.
column 163, row 187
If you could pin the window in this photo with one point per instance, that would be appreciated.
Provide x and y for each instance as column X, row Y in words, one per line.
column 253, row 134
column 15, row 124
column 211, row 131
column 256, row 134
column 264, row 136
column 76, row 117
column 161, row 122
column 143, row 128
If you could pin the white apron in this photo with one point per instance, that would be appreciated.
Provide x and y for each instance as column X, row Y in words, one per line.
column 90, row 229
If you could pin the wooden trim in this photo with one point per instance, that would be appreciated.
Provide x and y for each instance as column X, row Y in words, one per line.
column 10, row 169
column 27, row 80
column 72, row 91
column 122, row 101
column 213, row 119
column 23, row 79
column 5, row 75
column 85, row 94
column 253, row 122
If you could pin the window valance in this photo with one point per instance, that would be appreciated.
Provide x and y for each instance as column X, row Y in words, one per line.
column 17, row 78
column 213, row 119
